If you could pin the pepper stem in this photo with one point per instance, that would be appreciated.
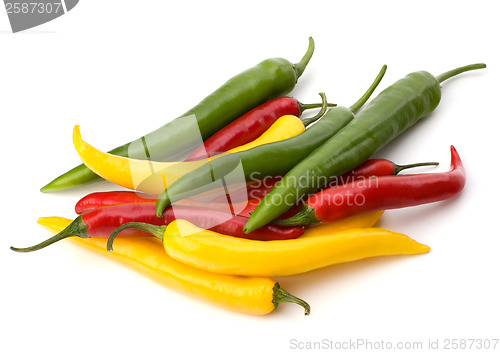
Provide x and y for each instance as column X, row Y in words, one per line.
column 314, row 105
column 155, row 230
column 306, row 216
column 356, row 106
column 282, row 296
column 399, row 168
column 459, row 70
column 301, row 66
column 76, row 229
column 324, row 107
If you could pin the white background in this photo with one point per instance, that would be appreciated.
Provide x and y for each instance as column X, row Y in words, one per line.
column 123, row 68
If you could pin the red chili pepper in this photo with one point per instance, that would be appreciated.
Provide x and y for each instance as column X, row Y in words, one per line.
column 372, row 167
column 109, row 198
column 250, row 126
column 380, row 193
column 112, row 198
column 100, row 223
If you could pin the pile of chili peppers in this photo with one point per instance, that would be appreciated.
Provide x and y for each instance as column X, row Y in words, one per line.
column 307, row 196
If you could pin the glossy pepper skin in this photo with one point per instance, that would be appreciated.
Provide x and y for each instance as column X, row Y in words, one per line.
column 249, row 295
column 210, row 251
column 175, row 140
column 374, row 167
column 273, row 159
column 380, row 193
column 393, row 111
column 101, row 222
column 151, row 176
column 249, row 126
column 110, row 198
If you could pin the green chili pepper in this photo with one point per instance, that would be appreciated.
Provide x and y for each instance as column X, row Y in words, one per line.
column 175, row 140
column 272, row 159
column 394, row 110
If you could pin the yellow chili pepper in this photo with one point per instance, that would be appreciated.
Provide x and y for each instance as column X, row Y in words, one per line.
column 363, row 220
column 153, row 177
column 250, row 295
column 223, row 254
column 284, row 128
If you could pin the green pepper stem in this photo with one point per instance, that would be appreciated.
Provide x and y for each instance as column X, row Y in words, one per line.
column 314, row 105
column 162, row 202
column 282, row 296
column 399, row 168
column 356, row 106
column 324, row 107
column 76, row 229
column 459, row 70
column 304, row 217
column 155, row 230
column 301, row 66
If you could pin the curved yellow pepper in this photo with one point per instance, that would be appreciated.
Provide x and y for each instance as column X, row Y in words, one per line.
column 153, row 177
column 210, row 251
column 250, row 295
